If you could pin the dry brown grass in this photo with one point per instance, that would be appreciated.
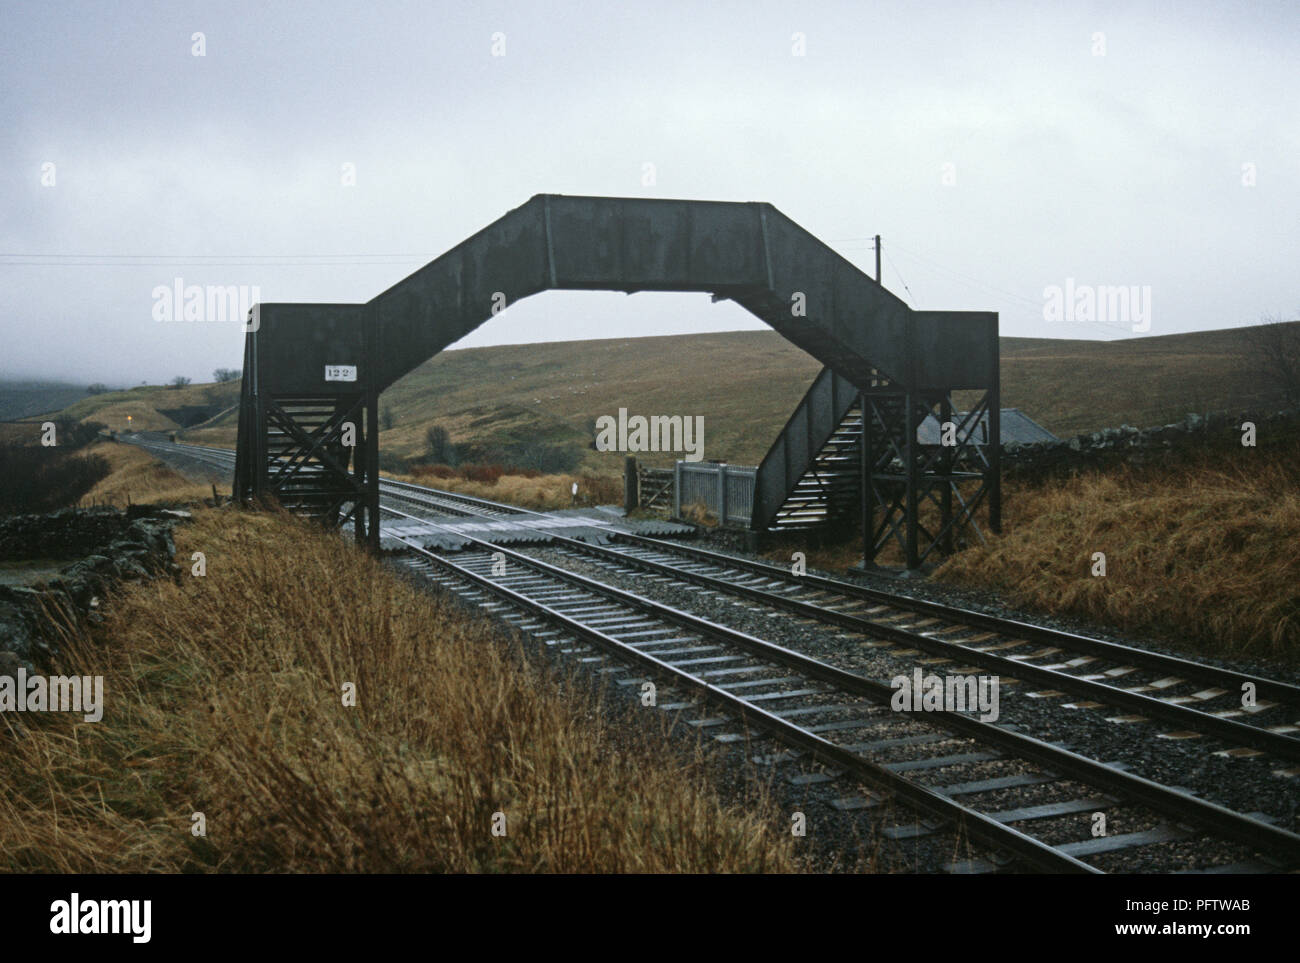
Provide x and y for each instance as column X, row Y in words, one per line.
column 1206, row 553
column 1202, row 549
column 20, row 432
column 540, row 493
column 698, row 513
column 136, row 476
column 224, row 697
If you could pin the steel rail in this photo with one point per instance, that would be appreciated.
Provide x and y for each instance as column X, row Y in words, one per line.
column 1279, row 744
column 1230, row 730
column 494, row 507
column 1199, row 671
column 978, row 826
column 1216, row 819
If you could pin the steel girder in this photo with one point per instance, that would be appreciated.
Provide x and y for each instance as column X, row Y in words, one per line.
column 748, row 252
column 905, row 477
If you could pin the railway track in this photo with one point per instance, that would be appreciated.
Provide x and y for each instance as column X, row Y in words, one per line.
column 222, row 458
column 844, row 720
column 453, row 502
column 1201, row 698
column 427, row 498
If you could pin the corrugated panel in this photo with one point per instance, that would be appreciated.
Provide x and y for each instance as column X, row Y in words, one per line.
column 1016, row 426
column 452, row 532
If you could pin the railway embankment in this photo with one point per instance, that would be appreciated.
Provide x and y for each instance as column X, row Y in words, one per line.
column 309, row 710
column 1197, row 546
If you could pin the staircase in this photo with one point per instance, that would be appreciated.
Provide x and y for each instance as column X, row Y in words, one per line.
column 811, row 476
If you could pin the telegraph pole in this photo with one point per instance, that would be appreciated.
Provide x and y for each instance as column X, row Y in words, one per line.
column 877, row 258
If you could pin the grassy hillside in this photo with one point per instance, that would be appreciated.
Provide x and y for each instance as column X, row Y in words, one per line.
column 1077, row 386
column 157, row 407
column 744, row 384
column 136, row 477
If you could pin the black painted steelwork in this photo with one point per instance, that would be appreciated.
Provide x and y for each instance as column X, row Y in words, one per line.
column 311, row 446
column 906, row 476
column 815, row 468
column 811, row 475
column 746, row 252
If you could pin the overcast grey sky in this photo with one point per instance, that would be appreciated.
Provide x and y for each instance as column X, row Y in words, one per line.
column 1112, row 160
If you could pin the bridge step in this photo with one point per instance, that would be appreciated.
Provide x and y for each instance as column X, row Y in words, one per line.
column 811, row 475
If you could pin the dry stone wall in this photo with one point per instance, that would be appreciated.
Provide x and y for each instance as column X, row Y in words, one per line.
column 100, row 547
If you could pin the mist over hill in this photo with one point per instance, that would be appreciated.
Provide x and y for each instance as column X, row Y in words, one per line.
column 27, row 399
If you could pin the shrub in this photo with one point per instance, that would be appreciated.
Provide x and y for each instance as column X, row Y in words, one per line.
column 548, row 459
column 35, row 479
column 72, row 434
column 437, row 441
column 433, row 471
column 393, row 464
column 486, row 474
column 698, row 513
